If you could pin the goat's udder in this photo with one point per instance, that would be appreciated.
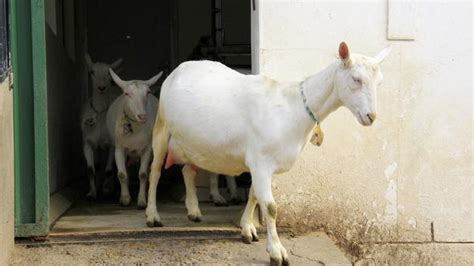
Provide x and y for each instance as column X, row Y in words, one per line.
column 170, row 160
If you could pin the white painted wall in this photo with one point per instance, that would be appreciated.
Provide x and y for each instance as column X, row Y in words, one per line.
column 414, row 167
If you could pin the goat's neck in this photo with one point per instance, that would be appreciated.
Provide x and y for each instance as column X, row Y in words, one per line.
column 321, row 96
column 100, row 100
column 127, row 114
column 321, row 99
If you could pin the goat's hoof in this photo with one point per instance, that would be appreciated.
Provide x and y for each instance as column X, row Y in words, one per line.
column 194, row 218
column 91, row 196
column 284, row 262
column 125, row 201
column 154, row 224
column 254, row 238
column 219, row 201
column 247, row 239
column 141, row 205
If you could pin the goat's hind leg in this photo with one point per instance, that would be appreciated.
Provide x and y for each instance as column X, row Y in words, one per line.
column 159, row 145
column 249, row 231
column 89, row 155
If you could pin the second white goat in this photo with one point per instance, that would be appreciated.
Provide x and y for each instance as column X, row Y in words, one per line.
column 130, row 121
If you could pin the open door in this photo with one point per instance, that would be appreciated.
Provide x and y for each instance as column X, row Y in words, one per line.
column 30, row 117
column 4, row 41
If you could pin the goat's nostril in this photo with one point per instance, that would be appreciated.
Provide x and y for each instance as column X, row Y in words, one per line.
column 371, row 117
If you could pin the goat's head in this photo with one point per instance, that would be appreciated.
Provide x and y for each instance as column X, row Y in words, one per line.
column 99, row 73
column 136, row 94
column 356, row 82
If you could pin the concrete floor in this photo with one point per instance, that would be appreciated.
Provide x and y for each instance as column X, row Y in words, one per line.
column 87, row 217
column 310, row 249
column 92, row 233
column 95, row 233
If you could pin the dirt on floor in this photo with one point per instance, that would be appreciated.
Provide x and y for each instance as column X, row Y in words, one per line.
column 311, row 249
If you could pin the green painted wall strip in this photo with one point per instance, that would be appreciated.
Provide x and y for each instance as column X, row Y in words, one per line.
column 40, row 114
column 30, row 118
column 23, row 112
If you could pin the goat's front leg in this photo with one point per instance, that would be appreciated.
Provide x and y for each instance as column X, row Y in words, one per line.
column 192, row 203
column 249, row 232
column 89, row 155
column 120, row 159
column 143, row 176
column 214, row 190
column 261, row 182
column 232, row 186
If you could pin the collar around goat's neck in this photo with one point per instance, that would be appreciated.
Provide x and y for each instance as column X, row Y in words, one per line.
column 306, row 106
column 91, row 103
column 128, row 118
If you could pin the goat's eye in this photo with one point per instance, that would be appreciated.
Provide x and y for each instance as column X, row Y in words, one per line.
column 357, row 80
column 148, row 91
column 127, row 94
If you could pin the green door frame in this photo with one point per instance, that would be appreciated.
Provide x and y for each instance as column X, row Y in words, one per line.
column 30, row 117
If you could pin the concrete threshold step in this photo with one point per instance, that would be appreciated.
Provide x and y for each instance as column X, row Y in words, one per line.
column 178, row 233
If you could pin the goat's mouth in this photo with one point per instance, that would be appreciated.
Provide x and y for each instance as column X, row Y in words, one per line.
column 364, row 120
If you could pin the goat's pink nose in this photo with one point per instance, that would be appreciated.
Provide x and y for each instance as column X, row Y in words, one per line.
column 142, row 117
column 371, row 116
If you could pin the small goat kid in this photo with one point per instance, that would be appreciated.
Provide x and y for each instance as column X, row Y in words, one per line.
column 214, row 118
column 94, row 132
column 130, row 121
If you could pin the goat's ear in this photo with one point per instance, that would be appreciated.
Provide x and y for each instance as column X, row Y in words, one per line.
column 116, row 63
column 344, row 54
column 122, row 84
column 88, row 59
column 153, row 80
column 382, row 54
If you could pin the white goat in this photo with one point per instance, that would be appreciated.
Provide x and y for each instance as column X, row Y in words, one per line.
column 214, row 118
column 94, row 132
column 130, row 121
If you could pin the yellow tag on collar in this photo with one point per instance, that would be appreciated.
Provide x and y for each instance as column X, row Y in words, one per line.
column 318, row 136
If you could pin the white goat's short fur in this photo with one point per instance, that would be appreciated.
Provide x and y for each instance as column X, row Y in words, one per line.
column 94, row 132
column 215, row 118
column 130, row 121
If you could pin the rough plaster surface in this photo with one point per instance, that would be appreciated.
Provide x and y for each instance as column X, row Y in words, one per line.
column 413, row 168
column 6, row 172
